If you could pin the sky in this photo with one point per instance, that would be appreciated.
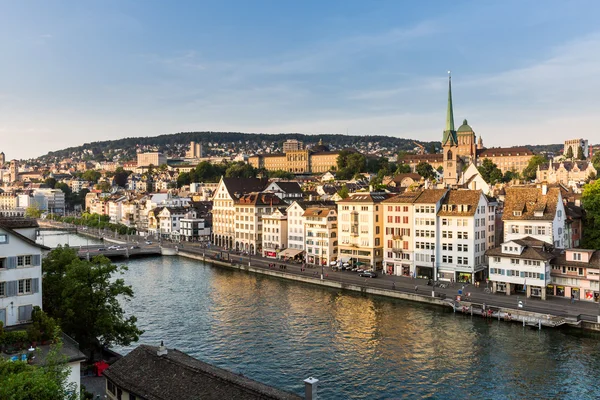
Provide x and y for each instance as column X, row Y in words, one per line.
column 523, row 72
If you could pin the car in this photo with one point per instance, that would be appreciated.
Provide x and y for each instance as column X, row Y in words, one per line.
column 101, row 249
column 148, row 242
column 113, row 247
column 368, row 274
column 354, row 269
column 135, row 247
column 360, row 270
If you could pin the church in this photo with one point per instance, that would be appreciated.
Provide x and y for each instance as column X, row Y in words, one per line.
column 460, row 148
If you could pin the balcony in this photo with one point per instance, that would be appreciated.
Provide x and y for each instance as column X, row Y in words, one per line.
column 397, row 250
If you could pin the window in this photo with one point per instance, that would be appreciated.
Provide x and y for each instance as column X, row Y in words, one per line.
column 541, row 230
column 528, row 230
column 514, row 229
column 2, row 289
column 496, row 259
column 577, row 256
column 3, row 238
column 111, row 387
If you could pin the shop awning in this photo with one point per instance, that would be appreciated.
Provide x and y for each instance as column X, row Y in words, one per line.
column 344, row 259
column 290, row 253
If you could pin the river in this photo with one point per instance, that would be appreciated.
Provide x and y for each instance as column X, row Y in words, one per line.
column 359, row 347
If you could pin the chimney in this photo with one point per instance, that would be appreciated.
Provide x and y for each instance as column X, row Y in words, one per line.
column 310, row 388
column 544, row 188
column 162, row 350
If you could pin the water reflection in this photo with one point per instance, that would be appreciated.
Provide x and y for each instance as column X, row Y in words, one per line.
column 360, row 347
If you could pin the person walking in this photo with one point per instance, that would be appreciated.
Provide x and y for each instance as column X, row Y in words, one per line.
column 393, row 285
column 416, row 288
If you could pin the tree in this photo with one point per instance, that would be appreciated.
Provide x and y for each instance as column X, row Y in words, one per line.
column 510, row 175
column 104, row 187
column 569, row 153
column 403, row 169
column 91, row 175
column 596, row 161
column 50, row 182
column 490, row 172
column 425, row 170
column 590, row 200
column 281, row 174
column 240, row 170
column 431, row 149
column 22, row 381
column 120, row 177
column 530, row 171
column 344, row 192
column 84, row 296
column 33, row 212
column 580, row 155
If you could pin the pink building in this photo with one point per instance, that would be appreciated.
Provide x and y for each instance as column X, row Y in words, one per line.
column 575, row 274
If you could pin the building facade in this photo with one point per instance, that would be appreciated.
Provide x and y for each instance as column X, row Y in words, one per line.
column 317, row 159
column 154, row 158
column 566, row 172
column 249, row 212
column 360, row 229
column 321, row 228
column 575, row 145
column 575, row 275
column 274, row 232
column 398, row 219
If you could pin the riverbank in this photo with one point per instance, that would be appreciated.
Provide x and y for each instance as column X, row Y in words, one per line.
column 423, row 294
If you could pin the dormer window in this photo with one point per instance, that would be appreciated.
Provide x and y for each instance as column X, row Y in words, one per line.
column 517, row 213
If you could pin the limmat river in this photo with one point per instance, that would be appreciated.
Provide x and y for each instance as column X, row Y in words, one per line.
column 360, row 347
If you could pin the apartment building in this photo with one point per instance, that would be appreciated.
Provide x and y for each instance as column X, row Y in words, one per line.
column 296, row 221
column 55, row 199
column 274, row 232
column 360, row 229
column 227, row 193
column 399, row 246
column 194, row 230
column 155, row 159
column 249, row 211
column 20, row 270
column 165, row 220
column 575, row 275
column 427, row 232
column 537, row 212
column 321, row 229
column 521, row 266
column 466, row 225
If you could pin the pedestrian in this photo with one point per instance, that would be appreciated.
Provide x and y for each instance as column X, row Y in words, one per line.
column 394, row 285
column 416, row 288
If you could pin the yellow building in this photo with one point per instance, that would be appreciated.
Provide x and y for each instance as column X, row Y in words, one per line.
column 317, row 159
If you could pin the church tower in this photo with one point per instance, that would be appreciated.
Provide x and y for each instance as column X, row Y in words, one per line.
column 450, row 144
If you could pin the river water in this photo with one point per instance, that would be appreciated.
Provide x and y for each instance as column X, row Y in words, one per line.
column 359, row 347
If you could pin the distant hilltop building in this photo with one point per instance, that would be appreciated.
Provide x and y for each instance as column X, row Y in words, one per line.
column 575, row 145
column 195, row 150
column 154, row 158
column 299, row 160
column 14, row 171
column 2, row 158
column 461, row 148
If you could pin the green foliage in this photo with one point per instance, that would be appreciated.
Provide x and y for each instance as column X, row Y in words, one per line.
column 84, row 296
column 50, row 182
column 403, row 169
column 281, row 174
column 104, row 187
column 425, row 170
column 33, row 212
column 95, row 221
column 431, row 148
column 91, row 175
column 590, row 199
column 184, row 178
column 490, row 172
column 344, row 192
column 510, row 175
column 120, row 177
column 44, row 326
column 529, row 172
column 349, row 164
column 16, row 340
column 569, row 153
column 240, row 170
column 21, row 381
column 580, row 155
column 596, row 160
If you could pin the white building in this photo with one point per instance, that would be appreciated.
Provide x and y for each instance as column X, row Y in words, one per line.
column 55, row 199
column 537, row 212
column 274, row 232
column 20, row 271
column 286, row 190
column 194, row 230
column 427, row 232
column 321, row 235
column 296, row 221
column 521, row 266
column 249, row 211
column 466, row 226
column 574, row 145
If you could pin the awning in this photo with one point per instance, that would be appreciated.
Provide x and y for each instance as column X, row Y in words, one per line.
column 290, row 253
column 344, row 259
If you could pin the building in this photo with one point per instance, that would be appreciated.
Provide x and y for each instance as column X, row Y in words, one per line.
column 427, row 232
column 292, row 145
column 14, row 171
column 575, row 275
column 154, row 158
column 286, row 190
column 20, row 270
column 521, row 266
column 360, row 229
column 249, row 211
column 194, row 230
column 399, row 233
column 466, row 226
column 536, row 212
column 166, row 220
column 227, row 193
column 2, row 159
column 574, row 145
column 274, row 233
column 150, row 372
column 317, row 159
column 566, row 172
column 195, row 150
column 321, row 229
column 296, row 221
column 460, row 147
column 55, row 200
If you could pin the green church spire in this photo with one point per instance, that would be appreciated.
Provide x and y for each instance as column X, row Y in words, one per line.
column 449, row 132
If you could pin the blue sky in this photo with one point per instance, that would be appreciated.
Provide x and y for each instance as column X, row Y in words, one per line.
column 73, row 72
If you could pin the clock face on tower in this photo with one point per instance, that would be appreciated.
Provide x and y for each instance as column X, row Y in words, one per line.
column 449, row 163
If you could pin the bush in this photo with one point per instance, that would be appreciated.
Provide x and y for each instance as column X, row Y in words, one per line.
column 16, row 340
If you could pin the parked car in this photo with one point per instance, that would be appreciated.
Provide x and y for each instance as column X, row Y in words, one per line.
column 360, row 270
column 101, row 249
column 368, row 274
column 113, row 247
column 148, row 242
column 135, row 247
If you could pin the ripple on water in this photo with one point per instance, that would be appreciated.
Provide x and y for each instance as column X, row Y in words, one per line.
column 280, row 332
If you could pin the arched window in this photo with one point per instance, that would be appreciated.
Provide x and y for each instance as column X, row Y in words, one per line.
column 449, row 155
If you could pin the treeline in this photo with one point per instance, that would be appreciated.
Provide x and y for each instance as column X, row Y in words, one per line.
column 232, row 139
column 94, row 221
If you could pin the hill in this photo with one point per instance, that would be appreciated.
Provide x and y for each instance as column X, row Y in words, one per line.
column 175, row 145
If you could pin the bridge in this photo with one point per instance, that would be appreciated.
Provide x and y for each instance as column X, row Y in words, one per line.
column 123, row 251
